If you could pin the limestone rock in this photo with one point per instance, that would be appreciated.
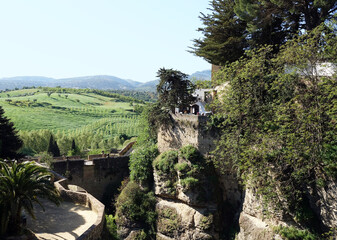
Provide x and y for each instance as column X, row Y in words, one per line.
column 177, row 220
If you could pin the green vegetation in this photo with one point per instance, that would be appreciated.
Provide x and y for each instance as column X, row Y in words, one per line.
column 291, row 233
column 191, row 169
column 166, row 161
column 174, row 89
column 137, row 205
column 111, row 227
column 95, row 119
column 9, row 141
column 233, row 26
column 168, row 221
column 20, row 186
column 278, row 128
column 141, row 164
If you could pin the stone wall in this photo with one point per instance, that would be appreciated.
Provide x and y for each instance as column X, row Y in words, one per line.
column 85, row 199
column 186, row 129
column 100, row 177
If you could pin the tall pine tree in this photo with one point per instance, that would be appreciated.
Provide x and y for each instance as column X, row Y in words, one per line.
column 10, row 143
column 224, row 34
column 237, row 25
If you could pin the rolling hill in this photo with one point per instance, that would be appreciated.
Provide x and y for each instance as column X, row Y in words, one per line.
column 93, row 82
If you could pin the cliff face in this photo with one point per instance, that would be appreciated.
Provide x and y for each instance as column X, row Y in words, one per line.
column 200, row 205
column 185, row 209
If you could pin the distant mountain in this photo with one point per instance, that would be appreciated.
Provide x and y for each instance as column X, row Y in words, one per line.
column 201, row 75
column 97, row 82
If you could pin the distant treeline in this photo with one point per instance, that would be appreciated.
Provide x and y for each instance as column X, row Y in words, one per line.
column 120, row 95
column 140, row 95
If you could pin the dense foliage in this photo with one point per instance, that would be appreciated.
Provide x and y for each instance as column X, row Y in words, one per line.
column 137, row 205
column 279, row 120
column 21, row 185
column 9, row 140
column 174, row 89
column 224, row 34
column 235, row 26
column 141, row 164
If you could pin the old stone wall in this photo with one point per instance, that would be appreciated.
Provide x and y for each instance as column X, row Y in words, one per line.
column 85, row 199
column 186, row 129
column 100, row 177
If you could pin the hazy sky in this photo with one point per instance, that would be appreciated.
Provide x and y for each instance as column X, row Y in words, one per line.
column 128, row 39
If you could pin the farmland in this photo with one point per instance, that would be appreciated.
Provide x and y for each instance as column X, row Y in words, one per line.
column 71, row 114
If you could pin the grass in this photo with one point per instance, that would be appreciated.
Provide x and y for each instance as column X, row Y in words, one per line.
column 65, row 111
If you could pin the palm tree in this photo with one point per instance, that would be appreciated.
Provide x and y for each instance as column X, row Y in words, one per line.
column 22, row 184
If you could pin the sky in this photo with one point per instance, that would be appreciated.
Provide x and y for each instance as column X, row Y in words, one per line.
column 130, row 39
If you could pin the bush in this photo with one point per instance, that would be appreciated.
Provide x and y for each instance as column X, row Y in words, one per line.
column 189, row 182
column 291, row 233
column 166, row 161
column 136, row 205
column 111, row 227
column 190, row 153
column 141, row 163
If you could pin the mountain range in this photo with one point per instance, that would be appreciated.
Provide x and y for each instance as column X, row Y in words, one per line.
column 97, row 82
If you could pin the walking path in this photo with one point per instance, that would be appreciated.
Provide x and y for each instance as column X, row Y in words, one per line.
column 66, row 222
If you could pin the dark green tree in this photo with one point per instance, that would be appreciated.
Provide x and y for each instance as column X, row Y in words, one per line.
column 174, row 89
column 74, row 149
column 53, row 147
column 296, row 15
column 9, row 141
column 237, row 25
column 56, row 150
column 278, row 128
column 224, row 34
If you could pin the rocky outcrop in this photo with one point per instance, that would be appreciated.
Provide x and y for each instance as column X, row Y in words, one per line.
column 178, row 220
column 323, row 201
column 187, row 200
column 254, row 224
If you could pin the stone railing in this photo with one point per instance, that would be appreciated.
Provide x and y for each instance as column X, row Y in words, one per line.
column 86, row 199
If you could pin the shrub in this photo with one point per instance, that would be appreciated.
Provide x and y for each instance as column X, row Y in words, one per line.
column 137, row 205
column 141, row 163
column 166, row 161
column 111, row 227
column 291, row 233
column 181, row 167
column 190, row 153
column 189, row 182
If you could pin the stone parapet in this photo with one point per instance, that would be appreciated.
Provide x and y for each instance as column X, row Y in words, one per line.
column 86, row 199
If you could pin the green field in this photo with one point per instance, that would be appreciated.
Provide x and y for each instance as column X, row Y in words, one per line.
column 74, row 114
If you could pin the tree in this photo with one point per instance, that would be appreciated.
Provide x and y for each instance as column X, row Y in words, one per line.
column 278, row 128
column 74, row 149
column 21, row 185
column 237, row 25
column 10, row 143
column 224, row 34
column 53, row 147
column 174, row 89
column 297, row 15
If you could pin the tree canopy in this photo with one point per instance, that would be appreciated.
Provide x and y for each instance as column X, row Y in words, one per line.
column 174, row 89
column 278, row 121
column 237, row 25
